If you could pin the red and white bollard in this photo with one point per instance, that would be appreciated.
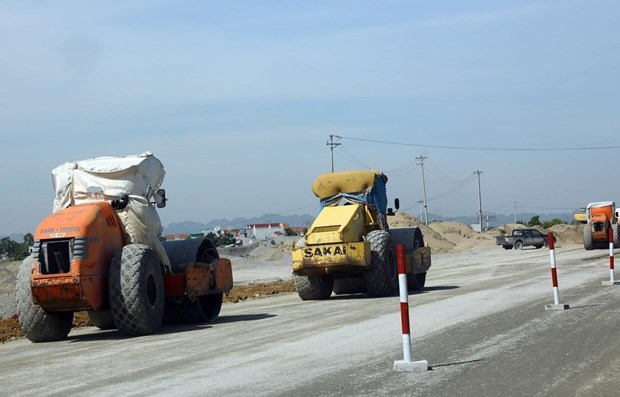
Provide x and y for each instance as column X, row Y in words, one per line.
column 554, row 277
column 612, row 276
column 406, row 364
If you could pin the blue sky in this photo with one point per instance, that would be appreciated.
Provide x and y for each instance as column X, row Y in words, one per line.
column 238, row 100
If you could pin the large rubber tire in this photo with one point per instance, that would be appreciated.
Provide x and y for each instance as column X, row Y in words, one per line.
column 349, row 285
column 314, row 287
column 382, row 277
column 588, row 242
column 136, row 289
column 518, row 245
column 616, row 229
column 210, row 306
column 204, row 309
column 37, row 324
column 421, row 277
column 412, row 282
column 101, row 319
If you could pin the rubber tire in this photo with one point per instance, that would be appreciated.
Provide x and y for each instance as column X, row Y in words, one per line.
column 507, row 247
column 349, row 285
column 588, row 242
column 37, row 324
column 204, row 309
column 412, row 282
column 314, row 287
column 101, row 319
column 136, row 290
column 518, row 245
column 616, row 230
column 382, row 276
column 210, row 306
column 538, row 246
column 421, row 277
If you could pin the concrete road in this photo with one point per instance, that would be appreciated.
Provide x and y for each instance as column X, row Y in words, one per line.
column 481, row 324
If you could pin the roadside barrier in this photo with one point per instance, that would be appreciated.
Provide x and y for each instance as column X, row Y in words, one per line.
column 406, row 364
column 612, row 276
column 554, row 277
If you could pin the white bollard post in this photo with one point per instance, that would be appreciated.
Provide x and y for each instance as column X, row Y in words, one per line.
column 612, row 276
column 406, row 364
column 554, row 277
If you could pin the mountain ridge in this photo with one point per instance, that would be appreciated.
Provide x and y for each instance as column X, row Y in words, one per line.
column 306, row 219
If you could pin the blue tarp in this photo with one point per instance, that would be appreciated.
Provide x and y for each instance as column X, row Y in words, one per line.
column 375, row 198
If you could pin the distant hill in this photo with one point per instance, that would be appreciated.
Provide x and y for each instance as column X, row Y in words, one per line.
column 306, row 219
column 500, row 219
column 237, row 223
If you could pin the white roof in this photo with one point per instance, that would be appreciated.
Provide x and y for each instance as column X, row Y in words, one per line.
column 598, row 204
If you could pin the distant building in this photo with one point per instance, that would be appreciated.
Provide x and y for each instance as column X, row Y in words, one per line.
column 177, row 236
column 298, row 230
column 265, row 231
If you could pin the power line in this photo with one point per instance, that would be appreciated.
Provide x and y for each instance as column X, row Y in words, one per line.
column 349, row 156
column 444, row 178
column 538, row 149
column 452, row 190
column 403, row 169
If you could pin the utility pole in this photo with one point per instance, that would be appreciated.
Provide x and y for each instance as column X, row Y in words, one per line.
column 515, row 212
column 479, row 200
column 420, row 202
column 332, row 145
column 420, row 162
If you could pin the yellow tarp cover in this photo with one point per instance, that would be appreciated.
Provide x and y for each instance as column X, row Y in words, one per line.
column 328, row 185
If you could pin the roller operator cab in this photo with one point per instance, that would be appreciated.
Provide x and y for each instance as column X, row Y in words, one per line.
column 100, row 251
column 349, row 248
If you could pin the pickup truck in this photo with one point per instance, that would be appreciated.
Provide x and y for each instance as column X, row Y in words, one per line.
column 521, row 238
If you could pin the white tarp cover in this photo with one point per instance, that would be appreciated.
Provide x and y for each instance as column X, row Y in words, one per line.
column 108, row 178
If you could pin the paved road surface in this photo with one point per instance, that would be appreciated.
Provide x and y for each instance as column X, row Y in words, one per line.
column 482, row 326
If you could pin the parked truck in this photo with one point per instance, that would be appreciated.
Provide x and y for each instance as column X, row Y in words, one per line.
column 350, row 248
column 100, row 251
column 601, row 217
column 522, row 238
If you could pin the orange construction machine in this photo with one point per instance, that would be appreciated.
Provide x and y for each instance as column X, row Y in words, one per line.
column 100, row 251
column 601, row 216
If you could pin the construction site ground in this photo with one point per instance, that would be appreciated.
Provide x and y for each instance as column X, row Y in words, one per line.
column 482, row 325
column 264, row 270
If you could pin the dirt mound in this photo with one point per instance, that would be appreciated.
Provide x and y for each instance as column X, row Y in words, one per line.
column 463, row 237
column 272, row 252
column 431, row 237
column 267, row 251
column 568, row 234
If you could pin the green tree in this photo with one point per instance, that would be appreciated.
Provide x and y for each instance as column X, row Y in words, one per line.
column 29, row 239
column 221, row 239
column 8, row 247
column 553, row 222
column 22, row 252
column 534, row 221
column 12, row 249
